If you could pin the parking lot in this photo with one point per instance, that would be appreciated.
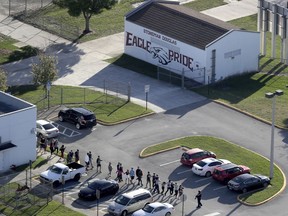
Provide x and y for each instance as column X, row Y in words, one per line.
column 167, row 162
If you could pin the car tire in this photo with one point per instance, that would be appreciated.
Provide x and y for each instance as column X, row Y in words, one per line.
column 244, row 190
column 56, row 184
column 124, row 213
column 168, row 214
column 208, row 174
column 77, row 177
column 78, row 126
column 61, row 119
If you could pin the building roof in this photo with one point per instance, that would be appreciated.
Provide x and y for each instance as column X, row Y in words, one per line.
column 179, row 22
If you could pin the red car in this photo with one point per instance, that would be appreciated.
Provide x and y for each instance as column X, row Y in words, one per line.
column 226, row 172
column 194, row 155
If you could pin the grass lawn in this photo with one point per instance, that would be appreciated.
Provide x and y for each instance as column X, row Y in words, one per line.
column 235, row 154
column 9, row 52
column 200, row 5
column 53, row 208
column 108, row 109
column 57, row 20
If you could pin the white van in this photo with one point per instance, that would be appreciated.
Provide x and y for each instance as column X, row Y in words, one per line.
column 130, row 202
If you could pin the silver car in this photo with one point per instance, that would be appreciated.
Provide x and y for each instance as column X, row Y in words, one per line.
column 46, row 129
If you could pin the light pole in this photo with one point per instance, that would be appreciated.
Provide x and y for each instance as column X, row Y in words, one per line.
column 273, row 97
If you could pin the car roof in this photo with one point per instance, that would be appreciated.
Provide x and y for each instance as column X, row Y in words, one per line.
column 82, row 110
column 194, row 150
column 137, row 192
column 209, row 160
column 246, row 176
column 226, row 166
column 102, row 182
column 42, row 122
column 156, row 204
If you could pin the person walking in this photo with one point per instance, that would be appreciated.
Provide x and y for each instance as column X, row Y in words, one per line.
column 55, row 144
column 156, row 185
column 98, row 163
column 42, row 145
column 127, row 174
column 168, row 186
column 181, row 188
column 132, row 175
column 77, row 159
column 87, row 161
column 90, row 160
column 148, row 180
column 163, row 184
column 176, row 188
column 70, row 156
column 199, row 197
column 119, row 172
column 172, row 188
column 110, row 168
column 139, row 175
column 62, row 149
column 153, row 179
column 51, row 146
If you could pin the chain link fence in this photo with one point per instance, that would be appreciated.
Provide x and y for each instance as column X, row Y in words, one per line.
column 28, row 11
column 186, row 78
column 21, row 194
column 13, row 7
column 112, row 92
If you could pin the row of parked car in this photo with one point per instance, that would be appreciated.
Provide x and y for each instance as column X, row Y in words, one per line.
column 237, row 177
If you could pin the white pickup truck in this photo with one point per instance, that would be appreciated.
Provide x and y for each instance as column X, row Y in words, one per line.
column 54, row 173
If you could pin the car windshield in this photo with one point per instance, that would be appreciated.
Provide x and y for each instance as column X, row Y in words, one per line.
column 89, row 117
column 48, row 126
column 56, row 170
column 99, row 185
column 185, row 156
column 122, row 200
column 201, row 163
column 148, row 209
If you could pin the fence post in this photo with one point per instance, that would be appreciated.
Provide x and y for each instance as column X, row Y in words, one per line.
column 129, row 92
column 30, row 166
column 182, row 79
column 61, row 96
column 84, row 95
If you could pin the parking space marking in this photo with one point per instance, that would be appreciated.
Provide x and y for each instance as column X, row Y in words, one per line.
column 184, row 172
column 204, row 179
column 212, row 214
column 66, row 131
column 219, row 188
column 169, row 163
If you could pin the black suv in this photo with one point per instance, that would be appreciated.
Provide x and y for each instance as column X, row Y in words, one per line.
column 81, row 117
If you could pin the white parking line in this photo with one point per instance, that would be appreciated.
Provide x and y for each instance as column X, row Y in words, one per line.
column 219, row 188
column 169, row 163
column 212, row 214
column 184, row 172
column 204, row 179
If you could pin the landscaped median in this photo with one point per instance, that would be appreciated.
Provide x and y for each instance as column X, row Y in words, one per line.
column 235, row 154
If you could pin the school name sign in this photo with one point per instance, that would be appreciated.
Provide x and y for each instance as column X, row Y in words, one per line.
column 163, row 54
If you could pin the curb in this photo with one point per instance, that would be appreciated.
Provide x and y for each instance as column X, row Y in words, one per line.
column 247, row 114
